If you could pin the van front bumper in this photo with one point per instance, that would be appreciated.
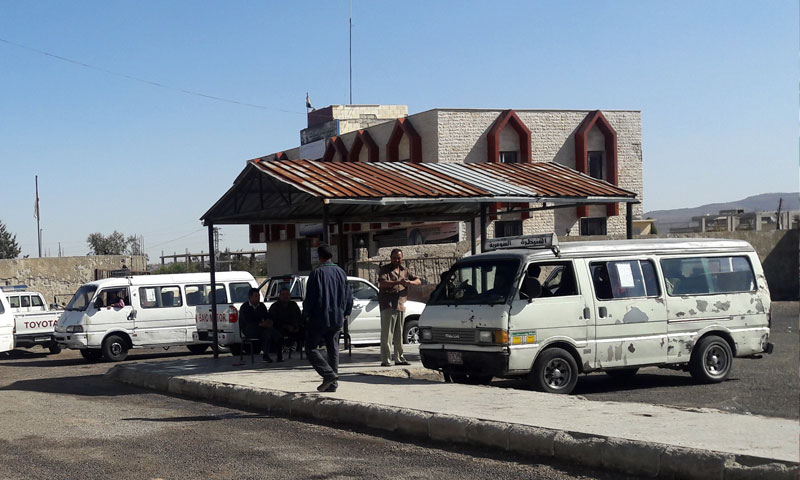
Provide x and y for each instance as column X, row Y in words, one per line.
column 472, row 362
column 72, row 340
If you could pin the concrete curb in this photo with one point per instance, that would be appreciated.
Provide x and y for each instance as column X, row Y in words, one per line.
column 594, row 451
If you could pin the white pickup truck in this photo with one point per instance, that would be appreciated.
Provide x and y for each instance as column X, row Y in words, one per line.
column 34, row 322
column 364, row 325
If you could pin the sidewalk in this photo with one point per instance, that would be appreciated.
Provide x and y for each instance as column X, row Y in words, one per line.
column 630, row 437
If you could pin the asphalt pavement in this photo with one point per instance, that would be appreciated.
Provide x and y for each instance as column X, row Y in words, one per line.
column 632, row 437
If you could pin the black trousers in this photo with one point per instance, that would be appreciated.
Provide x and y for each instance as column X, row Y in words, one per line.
column 326, row 368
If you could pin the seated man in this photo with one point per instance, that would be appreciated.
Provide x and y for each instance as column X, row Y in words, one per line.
column 286, row 320
column 254, row 322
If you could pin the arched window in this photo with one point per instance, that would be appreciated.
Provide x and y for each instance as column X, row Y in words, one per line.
column 363, row 139
column 502, row 148
column 404, row 129
column 335, row 147
column 599, row 164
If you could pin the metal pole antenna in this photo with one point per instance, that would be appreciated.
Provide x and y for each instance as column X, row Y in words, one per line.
column 36, row 209
column 351, row 52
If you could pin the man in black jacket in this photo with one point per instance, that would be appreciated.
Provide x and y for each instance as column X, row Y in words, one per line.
column 254, row 322
column 286, row 320
column 327, row 306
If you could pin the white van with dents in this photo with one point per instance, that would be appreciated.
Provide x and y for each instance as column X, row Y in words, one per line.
column 108, row 317
column 550, row 312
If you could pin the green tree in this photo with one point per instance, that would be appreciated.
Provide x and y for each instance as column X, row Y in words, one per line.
column 8, row 243
column 114, row 244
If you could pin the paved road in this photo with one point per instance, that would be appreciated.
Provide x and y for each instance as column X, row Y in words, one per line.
column 762, row 387
column 60, row 418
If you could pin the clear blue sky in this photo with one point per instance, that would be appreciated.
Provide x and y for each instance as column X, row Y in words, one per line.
column 716, row 81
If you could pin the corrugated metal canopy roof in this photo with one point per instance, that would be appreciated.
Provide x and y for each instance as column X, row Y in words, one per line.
column 293, row 191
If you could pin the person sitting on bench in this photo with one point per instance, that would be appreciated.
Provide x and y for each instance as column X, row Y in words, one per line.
column 286, row 320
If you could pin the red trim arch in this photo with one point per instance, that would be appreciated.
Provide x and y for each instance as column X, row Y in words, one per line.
column 363, row 138
column 509, row 117
column 281, row 156
column 403, row 127
column 596, row 118
column 335, row 145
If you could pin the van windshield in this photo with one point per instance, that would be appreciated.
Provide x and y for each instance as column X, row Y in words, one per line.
column 82, row 298
column 476, row 283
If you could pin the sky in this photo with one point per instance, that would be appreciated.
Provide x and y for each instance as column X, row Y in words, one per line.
column 108, row 102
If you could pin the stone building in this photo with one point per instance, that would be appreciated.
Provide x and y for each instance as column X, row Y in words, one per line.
column 603, row 144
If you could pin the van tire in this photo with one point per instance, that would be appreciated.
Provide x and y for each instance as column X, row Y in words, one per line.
column 411, row 332
column 198, row 348
column 555, row 371
column 54, row 349
column 91, row 354
column 711, row 360
column 115, row 348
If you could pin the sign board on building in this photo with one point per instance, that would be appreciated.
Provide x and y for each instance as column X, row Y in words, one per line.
column 319, row 132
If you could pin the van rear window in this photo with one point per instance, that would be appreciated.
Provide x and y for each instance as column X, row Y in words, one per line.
column 708, row 275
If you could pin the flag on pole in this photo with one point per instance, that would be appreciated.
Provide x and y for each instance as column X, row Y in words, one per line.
column 308, row 101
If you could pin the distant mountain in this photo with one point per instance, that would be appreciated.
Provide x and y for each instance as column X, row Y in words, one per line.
column 765, row 202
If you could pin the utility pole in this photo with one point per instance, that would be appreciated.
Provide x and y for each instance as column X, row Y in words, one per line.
column 351, row 52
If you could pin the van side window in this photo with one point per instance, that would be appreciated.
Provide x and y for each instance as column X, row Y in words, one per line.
column 624, row 279
column 14, row 301
column 556, row 278
column 239, row 292
column 36, row 301
column 708, row 275
column 160, row 297
column 111, row 296
column 199, row 294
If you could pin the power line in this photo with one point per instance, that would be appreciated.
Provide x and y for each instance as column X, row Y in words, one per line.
column 142, row 80
column 175, row 239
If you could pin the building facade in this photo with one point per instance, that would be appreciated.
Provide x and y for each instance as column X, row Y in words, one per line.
column 603, row 144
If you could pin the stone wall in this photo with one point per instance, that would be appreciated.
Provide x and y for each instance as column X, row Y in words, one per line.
column 62, row 275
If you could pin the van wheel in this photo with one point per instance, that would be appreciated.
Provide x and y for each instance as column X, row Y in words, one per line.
column 470, row 379
column 411, row 332
column 197, row 348
column 555, row 371
column 54, row 348
column 115, row 348
column 711, row 360
column 91, row 354
column 622, row 372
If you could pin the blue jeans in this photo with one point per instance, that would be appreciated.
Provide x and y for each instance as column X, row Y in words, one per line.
column 325, row 368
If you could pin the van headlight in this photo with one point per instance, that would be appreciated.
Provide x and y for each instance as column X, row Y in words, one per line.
column 425, row 334
column 75, row 329
column 493, row 336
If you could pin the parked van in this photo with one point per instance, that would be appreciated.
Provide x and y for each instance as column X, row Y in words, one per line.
column 106, row 318
column 6, row 325
column 534, row 308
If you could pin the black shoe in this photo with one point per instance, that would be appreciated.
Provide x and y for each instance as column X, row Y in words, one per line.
column 327, row 383
column 266, row 358
column 332, row 388
column 401, row 362
column 386, row 364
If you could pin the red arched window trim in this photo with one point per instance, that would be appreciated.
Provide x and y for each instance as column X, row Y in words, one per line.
column 335, row 145
column 363, row 138
column 403, row 127
column 509, row 117
column 281, row 156
column 597, row 119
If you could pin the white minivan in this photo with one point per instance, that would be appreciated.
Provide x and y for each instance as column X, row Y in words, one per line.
column 6, row 325
column 106, row 318
column 534, row 308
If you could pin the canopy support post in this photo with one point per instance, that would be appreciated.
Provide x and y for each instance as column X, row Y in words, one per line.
column 472, row 238
column 212, row 265
column 483, row 226
column 326, row 234
column 629, row 220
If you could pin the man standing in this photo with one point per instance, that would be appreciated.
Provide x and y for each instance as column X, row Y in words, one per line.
column 393, row 280
column 285, row 316
column 327, row 306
